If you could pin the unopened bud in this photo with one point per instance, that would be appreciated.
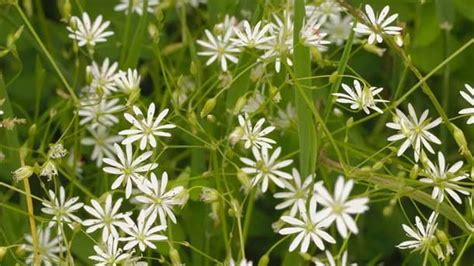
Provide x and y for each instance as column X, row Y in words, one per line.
column 350, row 122
column 12, row 38
column 244, row 180
column 257, row 72
column 32, row 130
column 264, row 260
column 208, row 107
column 333, row 77
column 236, row 135
column 174, row 256
column 193, row 69
column 3, row 252
column 20, row 250
column 377, row 166
column 372, row 48
column 239, row 105
column 414, row 171
column 66, row 9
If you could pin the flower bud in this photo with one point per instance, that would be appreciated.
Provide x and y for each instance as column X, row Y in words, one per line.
column 350, row 122
column 377, row 166
column 236, row 135
column 20, row 250
column 3, row 252
column 66, row 10
column 193, row 69
column 211, row 118
column 22, row 173
column 333, row 77
column 461, row 141
column 239, row 105
column 32, row 130
column 257, row 72
column 414, row 171
column 174, row 256
column 208, row 107
column 12, row 38
column 244, row 180
column 209, row 195
column 372, row 48
column 264, row 260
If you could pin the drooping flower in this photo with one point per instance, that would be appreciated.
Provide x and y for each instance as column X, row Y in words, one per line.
column 266, row 168
column 444, row 178
column 145, row 128
column 159, row 200
column 127, row 168
column 309, row 228
column 338, row 208
column 254, row 136
column 379, row 25
column 360, row 98
column 107, row 217
column 414, row 131
column 87, row 32
column 62, row 209
column 468, row 95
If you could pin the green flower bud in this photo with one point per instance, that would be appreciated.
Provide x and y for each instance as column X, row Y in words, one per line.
column 174, row 256
column 208, row 107
column 239, row 105
column 264, row 260
column 3, row 252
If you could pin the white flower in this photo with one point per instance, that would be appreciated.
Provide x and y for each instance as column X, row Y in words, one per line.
column 414, row 131
column 49, row 169
column 219, row 48
column 361, row 98
column 338, row 29
column 252, row 38
column 103, row 143
column 297, row 194
column 106, row 218
column 338, row 208
column 88, row 33
column 62, row 209
column 255, row 136
column 49, row 248
column 109, row 253
column 158, row 199
column 243, row 262
column 99, row 113
column 128, row 169
column 137, row 6
column 103, row 76
column 378, row 25
column 470, row 99
column 312, row 36
column 265, row 168
column 145, row 128
column 143, row 232
column 423, row 236
column 254, row 103
column 328, row 9
column 128, row 81
column 286, row 118
column 332, row 262
column 229, row 23
column 307, row 229
column 280, row 48
column 444, row 178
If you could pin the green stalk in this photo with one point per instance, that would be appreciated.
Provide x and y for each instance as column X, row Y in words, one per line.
column 47, row 54
column 306, row 125
column 135, row 48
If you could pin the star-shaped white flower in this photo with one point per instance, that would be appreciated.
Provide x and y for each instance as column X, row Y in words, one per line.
column 62, row 209
column 423, row 236
column 103, row 143
column 128, row 81
column 360, row 98
column 103, row 76
column 254, row 136
column 157, row 199
column 107, row 217
column 379, row 25
column 219, row 48
column 109, row 253
column 280, row 48
column 307, row 229
column 312, row 36
column 444, row 178
column 88, row 33
column 127, row 168
column 414, row 131
column 266, row 168
column 468, row 95
column 137, row 6
column 338, row 208
column 297, row 194
column 145, row 128
column 49, row 248
column 252, row 38
column 143, row 232
column 99, row 112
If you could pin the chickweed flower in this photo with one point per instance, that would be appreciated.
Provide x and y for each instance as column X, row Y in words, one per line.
column 378, row 26
column 128, row 81
column 312, row 36
column 159, row 200
column 444, row 178
column 127, row 168
column 254, row 136
column 99, row 113
column 57, row 151
column 423, row 237
column 87, row 32
column 103, row 143
column 143, row 232
column 219, row 48
column 360, row 98
column 266, row 168
column 468, row 95
column 252, row 38
column 62, row 209
column 145, row 128
column 49, row 248
column 103, row 77
column 107, row 217
column 109, row 253
column 280, row 48
column 338, row 29
column 308, row 228
column 296, row 195
column 137, row 6
column 338, row 208
column 415, row 131
column 326, row 9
